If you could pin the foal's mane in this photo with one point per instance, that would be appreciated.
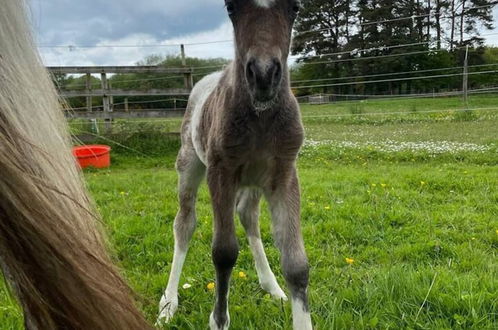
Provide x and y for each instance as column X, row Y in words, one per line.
column 52, row 250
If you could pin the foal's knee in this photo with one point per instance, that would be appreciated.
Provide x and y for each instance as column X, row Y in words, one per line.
column 225, row 253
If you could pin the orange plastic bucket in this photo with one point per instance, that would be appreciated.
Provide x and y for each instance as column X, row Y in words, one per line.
column 98, row 156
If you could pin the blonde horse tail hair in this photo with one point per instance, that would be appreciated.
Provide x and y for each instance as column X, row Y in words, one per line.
column 52, row 249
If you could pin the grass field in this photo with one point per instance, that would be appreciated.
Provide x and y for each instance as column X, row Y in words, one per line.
column 410, row 197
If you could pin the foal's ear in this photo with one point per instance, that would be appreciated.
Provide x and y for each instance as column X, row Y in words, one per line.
column 231, row 7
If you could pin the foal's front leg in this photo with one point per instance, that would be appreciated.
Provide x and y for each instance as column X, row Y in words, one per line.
column 284, row 198
column 225, row 249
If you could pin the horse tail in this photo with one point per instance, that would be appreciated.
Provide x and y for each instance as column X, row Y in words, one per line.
column 52, row 249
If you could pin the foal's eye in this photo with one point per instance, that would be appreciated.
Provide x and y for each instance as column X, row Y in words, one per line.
column 296, row 8
column 230, row 8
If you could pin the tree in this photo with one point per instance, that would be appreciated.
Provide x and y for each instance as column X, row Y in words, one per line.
column 370, row 37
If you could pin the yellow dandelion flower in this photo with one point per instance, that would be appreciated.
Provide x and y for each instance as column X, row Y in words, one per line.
column 122, row 193
column 210, row 286
column 496, row 231
column 374, row 185
column 422, row 183
column 349, row 261
column 242, row 275
column 383, row 185
column 327, row 207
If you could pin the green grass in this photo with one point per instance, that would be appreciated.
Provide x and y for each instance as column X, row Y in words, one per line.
column 420, row 222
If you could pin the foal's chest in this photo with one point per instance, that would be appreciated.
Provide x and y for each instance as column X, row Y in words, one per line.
column 256, row 170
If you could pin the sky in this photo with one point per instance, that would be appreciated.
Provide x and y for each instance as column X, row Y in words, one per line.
column 75, row 23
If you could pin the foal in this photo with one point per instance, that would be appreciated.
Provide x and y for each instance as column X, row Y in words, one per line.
column 243, row 128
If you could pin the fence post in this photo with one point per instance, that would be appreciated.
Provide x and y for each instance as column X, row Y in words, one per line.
column 188, row 78
column 127, row 109
column 465, row 89
column 88, row 82
column 106, row 102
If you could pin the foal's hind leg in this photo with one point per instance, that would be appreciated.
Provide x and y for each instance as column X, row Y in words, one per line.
column 191, row 172
column 248, row 209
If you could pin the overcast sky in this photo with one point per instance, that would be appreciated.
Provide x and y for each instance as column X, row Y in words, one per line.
column 132, row 22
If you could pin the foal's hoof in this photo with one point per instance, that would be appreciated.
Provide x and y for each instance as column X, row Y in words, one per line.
column 278, row 293
column 274, row 290
column 167, row 308
column 214, row 326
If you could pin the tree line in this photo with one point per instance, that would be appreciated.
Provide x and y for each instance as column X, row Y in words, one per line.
column 371, row 37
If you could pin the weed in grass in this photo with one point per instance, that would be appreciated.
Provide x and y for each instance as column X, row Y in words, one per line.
column 356, row 109
column 465, row 115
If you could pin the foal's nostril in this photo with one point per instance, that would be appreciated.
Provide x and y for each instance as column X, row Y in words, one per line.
column 276, row 72
column 251, row 71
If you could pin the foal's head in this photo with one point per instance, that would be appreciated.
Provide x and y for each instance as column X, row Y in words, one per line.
column 263, row 31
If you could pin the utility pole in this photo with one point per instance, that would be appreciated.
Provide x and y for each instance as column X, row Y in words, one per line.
column 465, row 89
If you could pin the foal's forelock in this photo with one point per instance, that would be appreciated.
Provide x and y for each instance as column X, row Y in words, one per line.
column 264, row 3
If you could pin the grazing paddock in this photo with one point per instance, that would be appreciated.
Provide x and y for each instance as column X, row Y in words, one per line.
column 399, row 216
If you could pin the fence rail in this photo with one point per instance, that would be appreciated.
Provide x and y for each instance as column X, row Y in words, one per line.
column 125, row 92
column 108, row 93
column 166, row 113
column 117, row 69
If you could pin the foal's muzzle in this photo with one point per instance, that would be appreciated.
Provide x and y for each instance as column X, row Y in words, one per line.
column 263, row 78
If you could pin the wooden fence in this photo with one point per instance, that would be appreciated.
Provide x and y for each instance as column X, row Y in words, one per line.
column 107, row 93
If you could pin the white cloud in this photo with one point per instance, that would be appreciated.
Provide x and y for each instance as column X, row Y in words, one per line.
column 131, row 55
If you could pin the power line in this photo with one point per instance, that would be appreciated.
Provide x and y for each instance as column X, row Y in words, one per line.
column 393, row 73
column 357, row 58
column 137, row 45
column 356, row 51
column 374, row 57
column 396, row 79
column 340, row 60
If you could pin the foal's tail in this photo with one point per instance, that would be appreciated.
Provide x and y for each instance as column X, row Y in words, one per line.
column 52, row 251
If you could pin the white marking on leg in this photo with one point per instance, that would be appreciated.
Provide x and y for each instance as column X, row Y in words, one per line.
column 169, row 301
column 214, row 326
column 266, row 277
column 301, row 319
column 264, row 3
